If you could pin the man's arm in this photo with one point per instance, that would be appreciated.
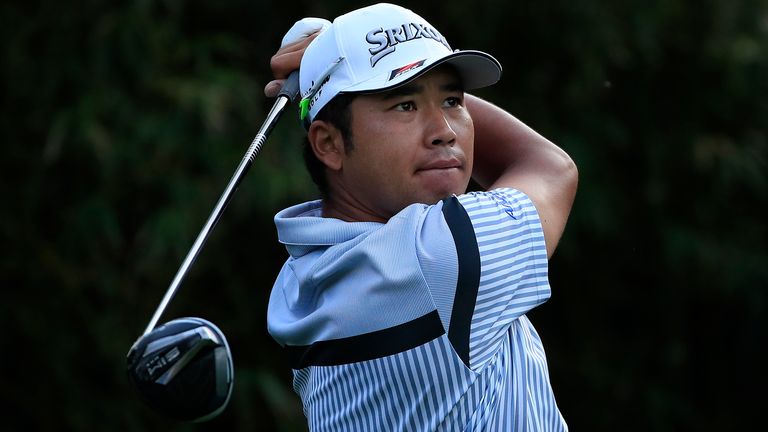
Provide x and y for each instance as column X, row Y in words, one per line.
column 507, row 152
column 510, row 154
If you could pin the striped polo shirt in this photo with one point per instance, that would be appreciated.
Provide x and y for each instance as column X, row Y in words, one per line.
column 417, row 324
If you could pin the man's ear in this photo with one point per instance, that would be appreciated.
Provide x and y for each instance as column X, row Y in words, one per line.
column 327, row 143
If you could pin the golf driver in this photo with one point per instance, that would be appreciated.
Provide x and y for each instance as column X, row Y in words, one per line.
column 183, row 369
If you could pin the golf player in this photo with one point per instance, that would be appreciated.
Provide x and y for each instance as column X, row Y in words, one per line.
column 402, row 304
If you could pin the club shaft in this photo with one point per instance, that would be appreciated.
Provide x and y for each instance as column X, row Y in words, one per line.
column 253, row 151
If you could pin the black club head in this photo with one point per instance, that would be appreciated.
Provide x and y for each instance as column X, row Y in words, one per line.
column 183, row 369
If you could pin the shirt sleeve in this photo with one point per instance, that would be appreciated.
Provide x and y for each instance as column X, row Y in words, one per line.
column 501, row 262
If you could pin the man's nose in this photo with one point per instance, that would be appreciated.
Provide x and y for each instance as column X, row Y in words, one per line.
column 439, row 130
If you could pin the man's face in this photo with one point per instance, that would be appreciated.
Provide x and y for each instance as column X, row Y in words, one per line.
column 413, row 144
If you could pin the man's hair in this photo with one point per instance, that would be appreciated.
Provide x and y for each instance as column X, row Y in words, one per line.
column 338, row 113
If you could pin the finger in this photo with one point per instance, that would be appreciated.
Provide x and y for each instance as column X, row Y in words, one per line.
column 299, row 45
column 273, row 88
column 288, row 58
column 284, row 64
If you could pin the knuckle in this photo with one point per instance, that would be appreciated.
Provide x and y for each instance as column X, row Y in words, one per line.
column 274, row 63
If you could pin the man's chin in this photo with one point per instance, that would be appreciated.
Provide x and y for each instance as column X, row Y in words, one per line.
column 440, row 188
column 439, row 195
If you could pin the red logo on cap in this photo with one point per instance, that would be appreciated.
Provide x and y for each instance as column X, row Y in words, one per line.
column 399, row 71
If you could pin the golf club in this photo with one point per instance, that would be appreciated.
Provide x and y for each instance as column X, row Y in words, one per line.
column 183, row 369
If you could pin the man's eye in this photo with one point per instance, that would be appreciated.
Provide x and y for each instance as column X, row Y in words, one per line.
column 405, row 106
column 453, row 102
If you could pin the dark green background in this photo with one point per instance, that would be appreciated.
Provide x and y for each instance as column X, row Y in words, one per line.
column 123, row 121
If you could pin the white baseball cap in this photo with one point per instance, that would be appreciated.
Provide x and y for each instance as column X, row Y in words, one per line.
column 378, row 48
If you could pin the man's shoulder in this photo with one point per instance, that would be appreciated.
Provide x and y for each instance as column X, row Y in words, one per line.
column 511, row 201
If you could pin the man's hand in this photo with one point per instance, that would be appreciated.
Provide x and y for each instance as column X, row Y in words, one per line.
column 288, row 58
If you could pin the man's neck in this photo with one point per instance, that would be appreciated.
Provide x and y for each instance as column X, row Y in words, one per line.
column 332, row 208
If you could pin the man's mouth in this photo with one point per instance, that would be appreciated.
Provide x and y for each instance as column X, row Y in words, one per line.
column 441, row 164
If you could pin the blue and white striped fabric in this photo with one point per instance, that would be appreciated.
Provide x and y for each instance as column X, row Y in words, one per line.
column 417, row 324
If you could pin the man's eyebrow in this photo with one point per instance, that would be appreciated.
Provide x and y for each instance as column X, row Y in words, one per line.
column 403, row 90
column 411, row 89
column 454, row 86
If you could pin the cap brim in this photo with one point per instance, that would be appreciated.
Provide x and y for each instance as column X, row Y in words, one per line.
column 475, row 68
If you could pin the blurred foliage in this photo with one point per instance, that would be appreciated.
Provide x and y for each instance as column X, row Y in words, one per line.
column 123, row 121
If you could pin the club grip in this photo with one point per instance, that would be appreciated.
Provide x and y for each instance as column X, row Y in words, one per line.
column 291, row 86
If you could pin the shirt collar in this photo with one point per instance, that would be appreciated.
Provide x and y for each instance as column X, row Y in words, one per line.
column 302, row 228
